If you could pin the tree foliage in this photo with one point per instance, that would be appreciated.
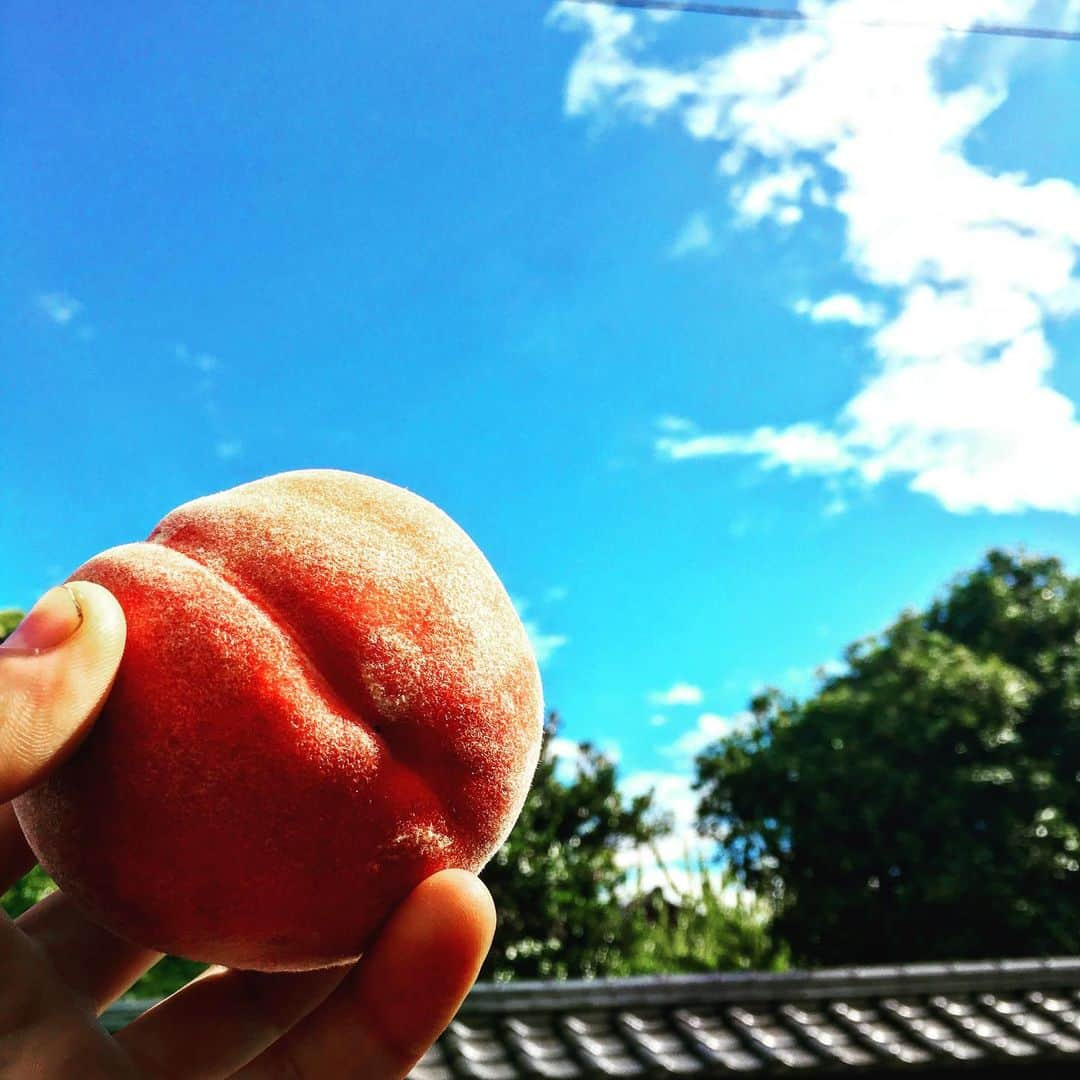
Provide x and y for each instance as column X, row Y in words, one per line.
column 705, row 925
column 567, row 906
column 556, row 880
column 35, row 885
column 924, row 803
column 9, row 619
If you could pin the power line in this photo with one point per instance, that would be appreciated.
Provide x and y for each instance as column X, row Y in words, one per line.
column 738, row 11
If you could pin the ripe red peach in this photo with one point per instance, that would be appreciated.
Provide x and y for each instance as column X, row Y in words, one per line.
column 326, row 696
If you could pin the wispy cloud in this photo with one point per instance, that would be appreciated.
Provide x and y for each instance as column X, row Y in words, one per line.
column 679, row 852
column 568, row 757
column 677, row 425
column 680, row 693
column 805, row 680
column 706, row 730
column 836, row 506
column 842, row 307
column 674, row 794
column 800, row 448
column 777, row 195
column 832, row 118
column 206, row 368
column 545, row 645
column 59, row 307
column 193, row 358
column 227, row 449
column 694, row 238
column 63, row 310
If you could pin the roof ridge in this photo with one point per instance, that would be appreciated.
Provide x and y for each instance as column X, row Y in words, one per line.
column 858, row 981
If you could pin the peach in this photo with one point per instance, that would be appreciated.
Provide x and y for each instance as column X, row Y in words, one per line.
column 326, row 696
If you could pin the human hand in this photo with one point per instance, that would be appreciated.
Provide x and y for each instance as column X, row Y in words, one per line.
column 59, row 971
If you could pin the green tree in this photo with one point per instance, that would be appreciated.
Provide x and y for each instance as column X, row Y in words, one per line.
column 556, row 880
column 568, row 909
column 923, row 804
column 35, row 885
column 707, row 924
column 9, row 619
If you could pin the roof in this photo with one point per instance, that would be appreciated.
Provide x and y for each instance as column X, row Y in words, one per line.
column 854, row 1021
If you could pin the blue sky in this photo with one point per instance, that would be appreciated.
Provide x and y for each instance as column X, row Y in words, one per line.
column 725, row 342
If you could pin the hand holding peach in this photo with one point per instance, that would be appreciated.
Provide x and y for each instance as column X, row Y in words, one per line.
column 325, row 698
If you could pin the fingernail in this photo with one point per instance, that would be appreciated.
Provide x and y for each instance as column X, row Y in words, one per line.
column 51, row 621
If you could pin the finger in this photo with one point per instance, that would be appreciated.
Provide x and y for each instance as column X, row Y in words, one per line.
column 44, row 1029
column 95, row 965
column 399, row 998
column 223, row 1019
column 15, row 854
column 55, row 672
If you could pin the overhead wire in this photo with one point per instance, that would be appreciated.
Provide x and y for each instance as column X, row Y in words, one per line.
column 739, row 11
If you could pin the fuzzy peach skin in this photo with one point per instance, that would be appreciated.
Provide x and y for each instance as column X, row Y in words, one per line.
column 326, row 696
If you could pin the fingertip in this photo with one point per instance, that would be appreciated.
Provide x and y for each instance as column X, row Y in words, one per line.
column 54, row 679
column 461, row 900
column 443, row 930
column 50, row 622
column 449, row 919
column 102, row 617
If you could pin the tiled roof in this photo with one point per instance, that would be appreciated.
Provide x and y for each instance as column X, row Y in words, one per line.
column 847, row 1020
column 855, row 1021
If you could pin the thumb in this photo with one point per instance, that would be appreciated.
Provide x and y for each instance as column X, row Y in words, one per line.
column 56, row 670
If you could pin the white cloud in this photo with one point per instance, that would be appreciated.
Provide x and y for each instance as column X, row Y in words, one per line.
column 568, row 755
column 800, row 448
column 806, row 680
column 679, row 693
column 708, row 728
column 206, row 369
column 604, row 70
column 680, row 851
column 570, row 758
column 831, row 668
column 544, row 645
column 564, row 748
column 842, row 307
column 773, row 195
column 675, row 424
column 227, row 449
column 200, row 361
column 59, row 307
column 555, row 594
column 836, row 118
column 694, row 238
column 674, row 794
